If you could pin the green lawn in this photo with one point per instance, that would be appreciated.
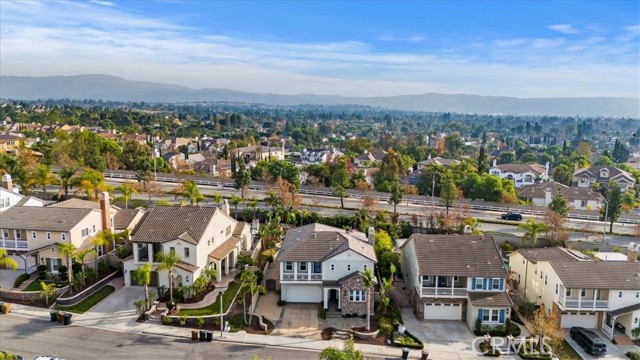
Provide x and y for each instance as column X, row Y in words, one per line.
column 34, row 286
column 214, row 309
column 88, row 303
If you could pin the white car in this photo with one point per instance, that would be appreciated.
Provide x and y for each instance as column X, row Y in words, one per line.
column 48, row 358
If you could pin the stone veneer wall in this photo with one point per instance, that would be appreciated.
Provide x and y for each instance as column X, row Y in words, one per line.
column 348, row 307
column 25, row 295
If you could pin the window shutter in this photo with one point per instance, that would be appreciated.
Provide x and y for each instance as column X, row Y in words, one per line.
column 501, row 284
column 502, row 316
column 480, row 314
column 473, row 283
column 484, row 283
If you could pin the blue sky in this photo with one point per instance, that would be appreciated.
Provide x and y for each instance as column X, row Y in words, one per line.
column 361, row 48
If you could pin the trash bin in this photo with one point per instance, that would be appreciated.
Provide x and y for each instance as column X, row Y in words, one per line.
column 61, row 317
column 54, row 315
column 67, row 318
column 194, row 335
column 6, row 308
column 203, row 335
column 405, row 353
column 425, row 354
column 209, row 336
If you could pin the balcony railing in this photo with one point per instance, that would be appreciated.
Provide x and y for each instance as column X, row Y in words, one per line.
column 14, row 244
column 584, row 304
column 431, row 291
column 301, row 277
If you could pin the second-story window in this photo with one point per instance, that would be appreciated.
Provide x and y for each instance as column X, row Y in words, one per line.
column 94, row 228
column 620, row 294
column 5, row 233
column 333, row 267
column 495, row 284
column 545, row 280
column 479, row 282
column 172, row 250
column 288, row 266
column 302, row 266
column 364, row 267
column 33, row 235
column 317, row 267
column 186, row 253
column 556, row 288
column 568, row 292
column 18, row 234
column 583, row 292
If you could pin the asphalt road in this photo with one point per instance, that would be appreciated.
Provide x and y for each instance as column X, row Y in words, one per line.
column 34, row 337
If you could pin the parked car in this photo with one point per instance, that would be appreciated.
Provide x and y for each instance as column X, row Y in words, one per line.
column 48, row 358
column 512, row 216
column 588, row 340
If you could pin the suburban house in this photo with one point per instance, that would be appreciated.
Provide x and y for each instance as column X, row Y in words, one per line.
column 436, row 161
column 320, row 156
column 456, row 277
column 369, row 158
column 585, row 178
column 9, row 196
column 213, row 167
column 127, row 219
column 521, row 174
column 602, row 295
column 203, row 237
column 9, row 143
column 320, row 263
column 254, row 153
column 541, row 195
column 31, row 235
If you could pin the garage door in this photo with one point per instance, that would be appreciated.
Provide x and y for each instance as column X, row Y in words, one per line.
column 303, row 294
column 587, row 321
column 443, row 312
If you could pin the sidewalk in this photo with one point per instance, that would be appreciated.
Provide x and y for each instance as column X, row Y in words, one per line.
column 127, row 324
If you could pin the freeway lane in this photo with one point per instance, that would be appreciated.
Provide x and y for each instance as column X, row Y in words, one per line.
column 33, row 337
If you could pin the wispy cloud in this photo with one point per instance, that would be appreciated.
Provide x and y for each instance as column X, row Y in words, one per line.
column 563, row 28
column 417, row 38
column 101, row 2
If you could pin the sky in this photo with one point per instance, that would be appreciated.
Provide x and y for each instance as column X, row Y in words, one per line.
column 360, row 48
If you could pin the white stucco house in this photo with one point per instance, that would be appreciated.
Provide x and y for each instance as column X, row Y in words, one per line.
column 521, row 174
column 542, row 194
column 9, row 196
column 456, row 277
column 587, row 177
column 320, row 263
column 602, row 295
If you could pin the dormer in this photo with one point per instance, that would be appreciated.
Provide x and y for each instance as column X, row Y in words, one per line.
column 604, row 173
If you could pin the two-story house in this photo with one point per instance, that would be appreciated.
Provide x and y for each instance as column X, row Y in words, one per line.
column 320, row 263
column 583, row 292
column 436, row 161
column 521, row 174
column 543, row 193
column 368, row 159
column 319, row 156
column 585, row 178
column 31, row 235
column 9, row 196
column 203, row 237
column 456, row 277
column 254, row 153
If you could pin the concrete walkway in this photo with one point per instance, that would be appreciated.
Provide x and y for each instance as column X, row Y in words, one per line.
column 8, row 277
column 211, row 297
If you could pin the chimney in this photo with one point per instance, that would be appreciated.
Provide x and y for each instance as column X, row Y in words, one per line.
column 547, row 196
column 632, row 253
column 105, row 208
column 225, row 207
column 7, row 183
column 371, row 236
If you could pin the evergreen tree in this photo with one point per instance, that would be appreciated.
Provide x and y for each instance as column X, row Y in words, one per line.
column 559, row 204
column 482, row 158
column 614, row 199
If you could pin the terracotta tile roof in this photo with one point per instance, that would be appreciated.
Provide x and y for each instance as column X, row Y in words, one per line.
column 457, row 255
column 222, row 250
column 521, row 168
column 569, row 193
column 188, row 267
column 42, row 218
column 166, row 223
column 479, row 298
column 615, row 275
column 124, row 217
column 552, row 254
column 318, row 242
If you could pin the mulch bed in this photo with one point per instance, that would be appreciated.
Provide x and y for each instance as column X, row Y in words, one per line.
column 326, row 333
column 255, row 328
column 379, row 340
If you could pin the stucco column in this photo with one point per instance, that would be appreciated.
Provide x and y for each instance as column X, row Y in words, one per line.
column 436, row 277
column 226, row 265
column 452, row 283
column 219, row 268
column 579, row 297
column 326, row 298
column 595, row 293
column 281, row 270
column 295, row 271
column 309, row 270
column 150, row 253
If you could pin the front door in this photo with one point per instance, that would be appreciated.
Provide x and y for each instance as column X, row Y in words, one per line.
column 154, row 279
column 53, row 264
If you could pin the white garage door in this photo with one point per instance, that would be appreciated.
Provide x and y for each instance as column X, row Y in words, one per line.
column 583, row 320
column 303, row 294
column 443, row 312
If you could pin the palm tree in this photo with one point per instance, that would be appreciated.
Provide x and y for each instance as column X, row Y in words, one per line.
column 235, row 201
column 68, row 250
column 6, row 261
column 90, row 182
column 168, row 261
column 42, row 176
column 303, row 215
column 367, row 280
column 272, row 199
column 532, row 229
column 81, row 255
column 127, row 190
column 48, row 291
column 189, row 190
column 253, row 205
column 218, row 198
column 64, row 176
column 142, row 276
column 102, row 239
column 250, row 284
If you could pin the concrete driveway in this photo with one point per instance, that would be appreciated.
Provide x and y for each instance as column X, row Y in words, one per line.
column 8, row 277
column 117, row 310
column 613, row 352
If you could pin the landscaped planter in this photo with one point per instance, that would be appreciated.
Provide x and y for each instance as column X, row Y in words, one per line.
column 366, row 335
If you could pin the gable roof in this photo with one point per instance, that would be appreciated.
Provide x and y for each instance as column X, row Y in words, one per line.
column 521, row 168
column 614, row 174
column 124, row 217
column 538, row 191
column 42, row 218
column 439, row 161
column 166, row 223
column 615, row 275
column 318, row 242
column 456, row 255
column 76, row 203
column 551, row 254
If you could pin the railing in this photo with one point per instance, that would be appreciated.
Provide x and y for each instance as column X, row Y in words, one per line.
column 444, row 291
column 584, row 304
column 14, row 244
column 301, row 277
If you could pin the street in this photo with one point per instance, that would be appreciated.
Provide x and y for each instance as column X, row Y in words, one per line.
column 34, row 337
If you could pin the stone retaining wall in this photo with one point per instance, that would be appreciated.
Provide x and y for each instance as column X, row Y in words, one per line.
column 6, row 295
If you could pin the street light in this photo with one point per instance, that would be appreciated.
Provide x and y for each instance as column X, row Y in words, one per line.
column 221, row 315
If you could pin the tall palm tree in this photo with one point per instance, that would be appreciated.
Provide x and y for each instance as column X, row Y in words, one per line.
column 249, row 284
column 272, row 199
column 68, row 250
column 127, row 190
column 64, row 177
column 189, row 190
column 102, row 239
column 368, row 280
column 235, row 201
column 168, row 261
column 42, row 176
column 532, row 229
column 253, row 205
column 142, row 276
column 218, row 198
column 91, row 182
column 81, row 255
column 6, row 261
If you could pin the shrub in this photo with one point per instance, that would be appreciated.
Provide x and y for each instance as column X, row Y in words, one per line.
column 269, row 254
column 321, row 313
column 527, row 309
column 103, row 266
column 385, row 325
column 183, row 321
column 42, row 268
column 167, row 320
column 20, row 279
column 242, row 261
column 63, row 273
column 282, row 303
column 506, row 246
column 200, row 322
column 633, row 355
column 478, row 326
column 90, row 273
column 76, row 268
column 488, row 350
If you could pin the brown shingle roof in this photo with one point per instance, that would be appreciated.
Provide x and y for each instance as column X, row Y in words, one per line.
column 225, row 248
column 615, row 275
column 124, row 217
column 457, row 255
column 166, row 223
column 625, row 310
column 318, row 242
column 80, row 204
column 478, row 298
column 42, row 218
column 552, row 254
column 521, row 168
column 569, row 193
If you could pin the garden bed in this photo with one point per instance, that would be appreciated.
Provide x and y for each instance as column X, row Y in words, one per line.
column 327, row 333
column 214, row 309
column 86, row 304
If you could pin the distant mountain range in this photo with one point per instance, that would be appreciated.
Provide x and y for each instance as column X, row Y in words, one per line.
column 106, row 87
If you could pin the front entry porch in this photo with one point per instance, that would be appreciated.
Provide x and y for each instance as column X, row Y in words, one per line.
column 224, row 258
column 331, row 298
